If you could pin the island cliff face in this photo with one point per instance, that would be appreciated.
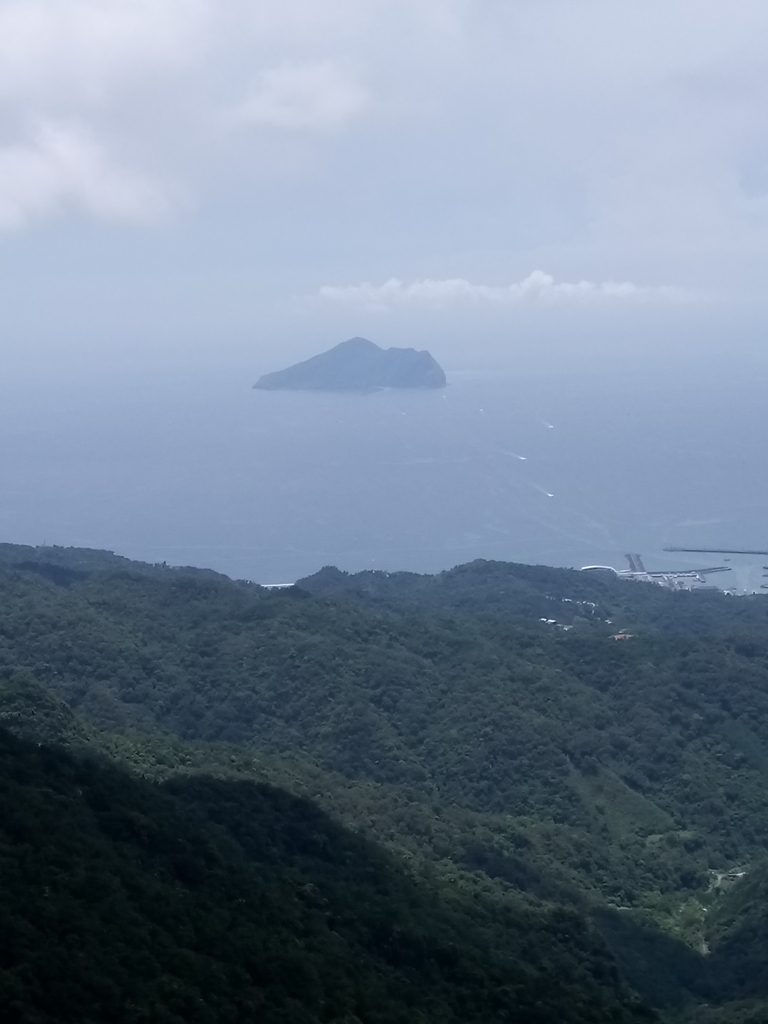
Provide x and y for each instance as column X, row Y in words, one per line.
column 358, row 365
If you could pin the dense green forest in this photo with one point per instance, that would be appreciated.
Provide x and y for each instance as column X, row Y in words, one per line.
column 484, row 725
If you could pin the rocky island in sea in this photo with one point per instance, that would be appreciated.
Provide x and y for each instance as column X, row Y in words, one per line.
column 358, row 365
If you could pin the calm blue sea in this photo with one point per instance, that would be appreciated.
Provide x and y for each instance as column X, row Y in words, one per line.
column 197, row 468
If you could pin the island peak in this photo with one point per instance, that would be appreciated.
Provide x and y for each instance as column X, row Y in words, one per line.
column 358, row 365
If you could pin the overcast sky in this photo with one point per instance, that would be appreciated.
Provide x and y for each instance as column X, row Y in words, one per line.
column 268, row 177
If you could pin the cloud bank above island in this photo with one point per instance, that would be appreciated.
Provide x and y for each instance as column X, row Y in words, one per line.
column 537, row 286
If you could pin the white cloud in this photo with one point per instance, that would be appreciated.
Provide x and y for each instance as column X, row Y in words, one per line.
column 146, row 78
column 61, row 167
column 84, row 46
column 320, row 96
column 74, row 69
column 538, row 286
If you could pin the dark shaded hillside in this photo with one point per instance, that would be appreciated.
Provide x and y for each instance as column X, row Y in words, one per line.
column 207, row 901
column 737, row 931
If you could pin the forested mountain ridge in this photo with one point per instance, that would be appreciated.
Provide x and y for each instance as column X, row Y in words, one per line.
column 512, row 590
column 456, row 726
